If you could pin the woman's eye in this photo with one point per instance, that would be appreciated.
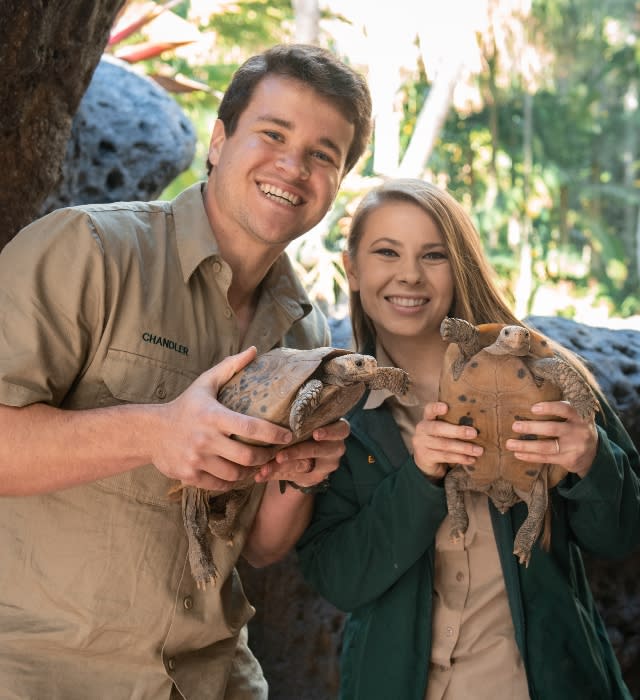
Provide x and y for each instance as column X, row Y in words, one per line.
column 385, row 252
column 435, row 255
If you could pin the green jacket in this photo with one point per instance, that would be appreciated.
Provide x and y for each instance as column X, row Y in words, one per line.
column 369, row 550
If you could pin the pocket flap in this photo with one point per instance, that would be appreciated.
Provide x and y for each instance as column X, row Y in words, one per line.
column 139, row 379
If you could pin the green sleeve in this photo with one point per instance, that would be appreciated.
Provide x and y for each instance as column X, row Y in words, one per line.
column 372, row 525
column 604, row 506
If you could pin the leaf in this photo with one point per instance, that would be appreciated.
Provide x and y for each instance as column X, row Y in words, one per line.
column 148, row 49
column 180, row 83
column 136, row 16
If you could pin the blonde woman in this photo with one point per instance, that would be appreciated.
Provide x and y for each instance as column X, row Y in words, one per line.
column 430, row 619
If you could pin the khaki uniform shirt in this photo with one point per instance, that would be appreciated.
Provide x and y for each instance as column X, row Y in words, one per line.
column 474, row 652
column 103, row 305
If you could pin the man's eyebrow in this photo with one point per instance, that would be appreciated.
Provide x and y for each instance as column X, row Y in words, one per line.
column 286, row 124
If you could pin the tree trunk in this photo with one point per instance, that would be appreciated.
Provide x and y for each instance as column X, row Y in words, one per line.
column 431, row 119
column 307, row 14
column 48, row 52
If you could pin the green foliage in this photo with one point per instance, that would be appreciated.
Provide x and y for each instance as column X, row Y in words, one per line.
column 574, row 201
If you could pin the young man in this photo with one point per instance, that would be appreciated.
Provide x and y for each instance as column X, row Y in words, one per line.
column 119, row 323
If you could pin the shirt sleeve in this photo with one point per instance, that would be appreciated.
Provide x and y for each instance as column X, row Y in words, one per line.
column 604, row 506
column 51, row 307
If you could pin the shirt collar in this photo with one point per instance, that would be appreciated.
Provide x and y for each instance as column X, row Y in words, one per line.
column 194, row 237
column 197, row 242
column 378, row 396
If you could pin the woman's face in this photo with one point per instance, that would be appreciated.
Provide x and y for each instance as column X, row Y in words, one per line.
column 402, row 272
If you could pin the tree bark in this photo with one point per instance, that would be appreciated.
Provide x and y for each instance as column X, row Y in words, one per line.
column 48, row 52
column 307, row 13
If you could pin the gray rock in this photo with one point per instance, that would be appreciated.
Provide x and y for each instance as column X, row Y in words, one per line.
column 128, row 141
column 613, row 355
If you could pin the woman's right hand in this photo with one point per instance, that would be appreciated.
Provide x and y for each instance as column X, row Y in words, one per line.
column 437, row 443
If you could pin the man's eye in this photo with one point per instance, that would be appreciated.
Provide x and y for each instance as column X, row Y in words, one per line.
column 273, row 135
column 321, row 155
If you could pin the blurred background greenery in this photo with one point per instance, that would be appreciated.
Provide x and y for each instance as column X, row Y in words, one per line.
column 526, row 110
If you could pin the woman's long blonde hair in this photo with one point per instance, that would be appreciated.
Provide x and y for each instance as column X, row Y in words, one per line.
column 477, row 296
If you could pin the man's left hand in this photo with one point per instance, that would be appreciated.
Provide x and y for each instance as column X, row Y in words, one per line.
column 310, row 462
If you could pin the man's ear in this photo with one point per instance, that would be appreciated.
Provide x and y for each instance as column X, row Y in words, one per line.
column 349, row 268
column 218, row 138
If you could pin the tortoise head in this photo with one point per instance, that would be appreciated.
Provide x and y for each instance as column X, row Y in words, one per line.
column 350, row 368
column 512, row 340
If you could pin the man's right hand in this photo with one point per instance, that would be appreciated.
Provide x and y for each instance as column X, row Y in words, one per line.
column 45, row 448
column 194, row 437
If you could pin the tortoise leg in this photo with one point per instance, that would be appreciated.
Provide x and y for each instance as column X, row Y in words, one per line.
column 465, row 335
column 574, row 388
column 394, row 379
column 457, row 330
column 537, row 502
column 304, row 404
column 456, row 481
column 195, row 514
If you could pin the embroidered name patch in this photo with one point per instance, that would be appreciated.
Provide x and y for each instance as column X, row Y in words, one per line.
column 165, row 342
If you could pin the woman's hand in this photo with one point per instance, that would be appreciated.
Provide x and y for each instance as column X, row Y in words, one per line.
column 570, row 441
column 437, row 443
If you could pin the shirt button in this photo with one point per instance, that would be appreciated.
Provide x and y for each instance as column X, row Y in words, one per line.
column 449, row 631
column 188, row 602
column 459, row 576
column 227, row 313
column 217, row 267
column 171, row 664
column 161, row 392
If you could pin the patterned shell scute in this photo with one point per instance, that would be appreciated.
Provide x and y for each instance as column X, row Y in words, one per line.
column 267, row 387
column 492, row 392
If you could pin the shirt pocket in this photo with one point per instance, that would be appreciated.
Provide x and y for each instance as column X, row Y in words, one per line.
column 131, row 378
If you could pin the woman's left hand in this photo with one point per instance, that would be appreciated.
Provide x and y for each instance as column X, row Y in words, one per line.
column 570, row 441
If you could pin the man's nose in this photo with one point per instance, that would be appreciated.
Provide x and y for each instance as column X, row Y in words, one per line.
column 294, row 164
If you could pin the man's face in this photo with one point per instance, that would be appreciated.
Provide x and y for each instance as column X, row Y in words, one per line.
column 277, row 175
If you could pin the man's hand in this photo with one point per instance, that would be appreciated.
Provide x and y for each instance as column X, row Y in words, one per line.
column 310, row 462
column 195, row 443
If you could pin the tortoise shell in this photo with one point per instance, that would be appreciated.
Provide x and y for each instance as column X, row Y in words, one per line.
column 490, row 392
column 267, row 387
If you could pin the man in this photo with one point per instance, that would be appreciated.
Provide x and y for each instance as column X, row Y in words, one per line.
column 111, row 318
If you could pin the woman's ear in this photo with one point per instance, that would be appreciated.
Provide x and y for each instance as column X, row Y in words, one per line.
column 350, row 269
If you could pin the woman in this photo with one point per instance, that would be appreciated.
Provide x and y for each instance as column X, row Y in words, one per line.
column 430, row 618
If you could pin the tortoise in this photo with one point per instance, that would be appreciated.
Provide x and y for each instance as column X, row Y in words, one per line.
column 305, row 389
column 298, row 389
column 491, row 375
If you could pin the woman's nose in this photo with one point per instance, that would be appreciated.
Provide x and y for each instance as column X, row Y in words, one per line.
column 411, row 273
